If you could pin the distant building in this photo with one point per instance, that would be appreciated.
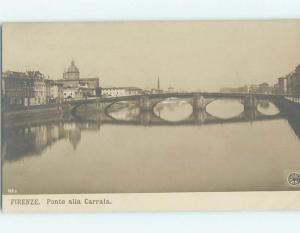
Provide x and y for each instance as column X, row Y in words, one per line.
column 157, row 90
column 254, row 88
column 171, row 89
column 40, row 90
column 276, row 88
column 76, row 87
column 289, row 83
column 243, row 89
column 56, row 92
column 282, row 85
column 71, row 93
column 294, row 81
column 120, row 91
column 17, row 88
column 83, row 87
column 29, row 88
column 297, row 80
column 264, row 88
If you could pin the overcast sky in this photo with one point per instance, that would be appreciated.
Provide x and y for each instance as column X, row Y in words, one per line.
column 187, row 55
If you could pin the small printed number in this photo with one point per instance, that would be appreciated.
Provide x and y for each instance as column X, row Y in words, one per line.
column 12, row 190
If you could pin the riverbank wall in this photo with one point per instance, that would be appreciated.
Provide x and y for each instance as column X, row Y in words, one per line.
column 291, row 112
column 37, row 111
column 288, row 107
column 44, row 113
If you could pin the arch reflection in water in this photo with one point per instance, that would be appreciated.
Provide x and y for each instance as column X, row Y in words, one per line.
column 173, row 109
column 267, row 108
column 225, row 109
column 124, row 110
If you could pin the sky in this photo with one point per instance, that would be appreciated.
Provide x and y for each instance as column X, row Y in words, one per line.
column 187, row 55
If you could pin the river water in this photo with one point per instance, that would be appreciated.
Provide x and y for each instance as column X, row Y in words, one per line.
column 105, row 156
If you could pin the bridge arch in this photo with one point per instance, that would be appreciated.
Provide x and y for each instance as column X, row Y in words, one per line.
column 267, row 108
column 225, row 108
column 174, row 109
column 124, row 110
column 75, row 107
column 155, row 102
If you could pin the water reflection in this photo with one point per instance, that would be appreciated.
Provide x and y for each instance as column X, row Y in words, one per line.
column 19, row 142
column 225, row 109
column 267, row 108
column 72, row 154
column 31, row 140
column 173, row 109
column 78, row 157
column 124, row 111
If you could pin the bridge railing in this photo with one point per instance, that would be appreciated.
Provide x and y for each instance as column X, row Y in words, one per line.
column 184, row 95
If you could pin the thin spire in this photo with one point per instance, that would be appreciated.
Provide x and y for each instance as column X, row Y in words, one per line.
column 158, row 84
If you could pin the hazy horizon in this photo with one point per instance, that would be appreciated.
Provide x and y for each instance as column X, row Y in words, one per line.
column 196, row 55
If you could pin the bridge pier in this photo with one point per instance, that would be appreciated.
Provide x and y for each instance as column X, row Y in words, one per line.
column 199, row 117
column 199, row 103
column 144, row 103
column 145, row 118
column 250, row 107
column 250, row 102
column 250, row 114
column 100, row 106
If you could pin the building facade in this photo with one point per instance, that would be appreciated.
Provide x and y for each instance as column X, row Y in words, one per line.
column 290, row 84
column 40, row 92
column 243, row 89
column 294, row 81
column 17, row 88
column 282, row 85
column 71, row 93
column 56, row 92
column 264, row 88
column 120, row 91
column 28, row 88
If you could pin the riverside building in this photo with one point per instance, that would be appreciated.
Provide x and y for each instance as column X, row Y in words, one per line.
column 29, row 88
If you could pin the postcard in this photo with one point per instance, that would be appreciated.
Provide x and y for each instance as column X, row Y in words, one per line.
column 150, row 116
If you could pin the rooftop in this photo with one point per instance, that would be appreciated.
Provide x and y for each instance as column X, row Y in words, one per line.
column 122, row 88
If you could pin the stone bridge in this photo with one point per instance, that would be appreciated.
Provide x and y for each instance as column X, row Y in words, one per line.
column 198, row 100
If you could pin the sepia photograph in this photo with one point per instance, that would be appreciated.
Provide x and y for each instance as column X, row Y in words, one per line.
column 150, row 107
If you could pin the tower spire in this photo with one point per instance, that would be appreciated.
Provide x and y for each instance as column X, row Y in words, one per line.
column 158, row 83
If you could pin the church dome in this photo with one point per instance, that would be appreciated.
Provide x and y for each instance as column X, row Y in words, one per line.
column 72, row 68
column 72, row 72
